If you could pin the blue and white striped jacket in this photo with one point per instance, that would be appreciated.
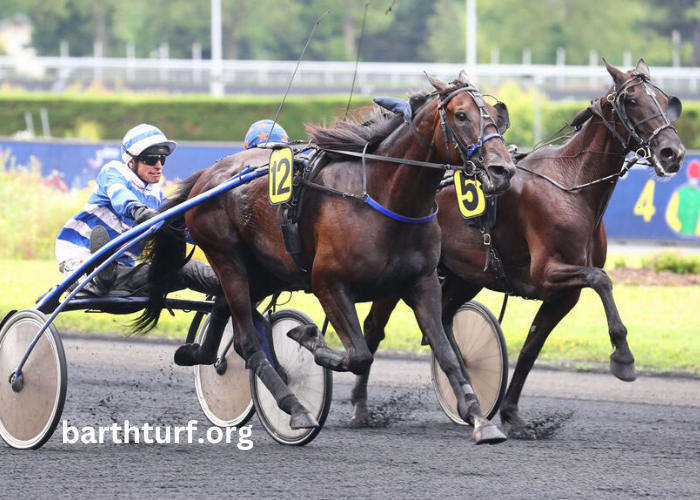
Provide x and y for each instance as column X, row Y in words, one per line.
column 117, row 189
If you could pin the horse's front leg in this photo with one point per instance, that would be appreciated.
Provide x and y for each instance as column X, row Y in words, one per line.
column 560, row 278
column 425, row 300
column 340, row 311
column 374, row 326
column 547, row 318
column 205, row 354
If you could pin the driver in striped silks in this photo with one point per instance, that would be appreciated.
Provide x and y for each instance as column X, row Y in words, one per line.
column 126, row 193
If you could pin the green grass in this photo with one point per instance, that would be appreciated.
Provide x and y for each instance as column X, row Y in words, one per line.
column 662, row 322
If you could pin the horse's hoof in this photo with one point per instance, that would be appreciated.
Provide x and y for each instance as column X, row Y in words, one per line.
column 189, row 355
column 308, row 336
column 516, row 428
column 362, row 417
column 624, row 371
column 522, row 432
column 184, row 356
column 488, row 433
column 329, row 358
column 303, row 420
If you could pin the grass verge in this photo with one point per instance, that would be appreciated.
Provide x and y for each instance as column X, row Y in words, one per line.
column 662, row 322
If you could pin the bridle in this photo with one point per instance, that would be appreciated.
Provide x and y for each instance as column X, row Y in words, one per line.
column 450, row 134
column 641, row 147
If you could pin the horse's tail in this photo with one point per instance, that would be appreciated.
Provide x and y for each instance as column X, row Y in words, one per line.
column 166, row 254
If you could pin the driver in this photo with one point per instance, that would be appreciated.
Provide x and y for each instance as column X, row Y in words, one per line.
column 126, row 194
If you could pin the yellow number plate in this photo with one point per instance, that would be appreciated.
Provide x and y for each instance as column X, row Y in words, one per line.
column 280, row 176
column 470, row 197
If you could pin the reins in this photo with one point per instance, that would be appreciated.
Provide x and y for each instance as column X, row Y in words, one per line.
column 625, row 167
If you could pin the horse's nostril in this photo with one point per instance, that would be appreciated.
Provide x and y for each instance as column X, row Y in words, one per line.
column 668, row 154
column 498, row 171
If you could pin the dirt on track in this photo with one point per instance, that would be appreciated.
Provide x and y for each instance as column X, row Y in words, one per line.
column 646, row 276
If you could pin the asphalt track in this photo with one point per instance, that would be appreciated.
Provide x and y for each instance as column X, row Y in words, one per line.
column 599, row 438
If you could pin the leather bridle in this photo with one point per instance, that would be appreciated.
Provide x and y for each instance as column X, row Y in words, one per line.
column 466, row 152
column 641, row 147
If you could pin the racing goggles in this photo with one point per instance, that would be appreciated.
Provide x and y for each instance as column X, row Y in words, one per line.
column 151, row 160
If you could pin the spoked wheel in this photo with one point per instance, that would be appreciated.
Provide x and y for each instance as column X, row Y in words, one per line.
column 483, row 348
column 31, row 408
column 223, row 389
column 311, row 383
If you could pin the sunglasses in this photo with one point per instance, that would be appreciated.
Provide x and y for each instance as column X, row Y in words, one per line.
column 151, row 160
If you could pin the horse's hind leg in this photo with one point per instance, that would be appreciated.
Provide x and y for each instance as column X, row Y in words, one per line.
column 340, row 311
column 424, row 299
column 374, row 326
column 547, row 318
column 560, row 278
column 455, row 293
column 194, row 354
column 621, row 360
column 234, row 281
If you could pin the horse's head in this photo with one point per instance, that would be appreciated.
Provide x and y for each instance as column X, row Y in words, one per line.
column 475, row 130
column 647, row 114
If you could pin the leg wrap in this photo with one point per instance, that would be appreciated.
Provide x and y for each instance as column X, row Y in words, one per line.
column 266, row 373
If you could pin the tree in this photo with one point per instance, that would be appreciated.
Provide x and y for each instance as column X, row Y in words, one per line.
column 681, row 15
column 402, row 40
column 148, row 24
column 510, row 26
column 55, row 21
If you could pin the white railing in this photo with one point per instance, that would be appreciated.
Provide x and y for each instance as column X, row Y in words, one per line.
column 237, row 76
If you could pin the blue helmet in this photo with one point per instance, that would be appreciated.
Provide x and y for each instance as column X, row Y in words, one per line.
column 261, row 132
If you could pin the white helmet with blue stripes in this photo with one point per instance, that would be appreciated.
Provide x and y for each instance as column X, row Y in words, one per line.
column 142, row 137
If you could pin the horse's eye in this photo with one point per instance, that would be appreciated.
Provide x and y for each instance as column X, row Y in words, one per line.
column 461, row 115
column 632, row 102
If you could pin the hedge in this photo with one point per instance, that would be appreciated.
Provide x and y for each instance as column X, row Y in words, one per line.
column 201, row 118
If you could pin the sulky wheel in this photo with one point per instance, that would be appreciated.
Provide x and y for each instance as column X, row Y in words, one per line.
column 311, row 383
column 223, row 389
column 481, row 343
column 31, row 407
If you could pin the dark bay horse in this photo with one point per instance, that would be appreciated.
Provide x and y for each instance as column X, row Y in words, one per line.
column 357, row 253
column 552, row 242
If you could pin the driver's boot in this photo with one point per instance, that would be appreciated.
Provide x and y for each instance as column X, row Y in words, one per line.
column 102, row 283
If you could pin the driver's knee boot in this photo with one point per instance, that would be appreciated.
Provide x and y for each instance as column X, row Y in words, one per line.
column 102, row 283
column 200, row 277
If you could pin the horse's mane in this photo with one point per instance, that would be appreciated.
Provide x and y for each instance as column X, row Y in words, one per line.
column 353, row 135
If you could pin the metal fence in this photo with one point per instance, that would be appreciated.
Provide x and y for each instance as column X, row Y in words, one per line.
column 272, row 77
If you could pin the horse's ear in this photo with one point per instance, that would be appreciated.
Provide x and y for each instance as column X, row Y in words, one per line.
column 440, row 86
column 617, row 75
column 675, row 108
column 642, row 68
column 503, row 117
column 464, row 78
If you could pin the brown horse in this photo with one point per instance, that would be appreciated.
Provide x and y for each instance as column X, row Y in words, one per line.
column 356, row 253
column 551, row 239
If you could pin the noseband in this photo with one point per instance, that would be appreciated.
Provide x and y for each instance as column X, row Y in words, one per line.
column 450, row 135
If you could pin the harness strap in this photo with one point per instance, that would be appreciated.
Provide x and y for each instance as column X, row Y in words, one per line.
column 420, row 137
column 391, row 159
column 412, row 220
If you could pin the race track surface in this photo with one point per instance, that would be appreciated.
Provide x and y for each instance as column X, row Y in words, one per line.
column 600, row 438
